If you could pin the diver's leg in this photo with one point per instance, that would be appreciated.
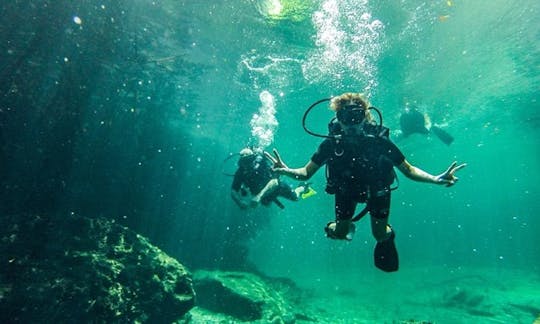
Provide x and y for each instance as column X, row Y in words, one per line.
column 266, row 191
column 286, row 191
column 344, row 209
column 385, row 254
column 380, row 211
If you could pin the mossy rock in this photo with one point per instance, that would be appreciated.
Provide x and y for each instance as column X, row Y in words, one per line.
column 68, row 269
column 242, row 296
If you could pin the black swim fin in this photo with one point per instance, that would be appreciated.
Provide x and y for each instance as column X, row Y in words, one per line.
column 442, row 135
column 386, row 255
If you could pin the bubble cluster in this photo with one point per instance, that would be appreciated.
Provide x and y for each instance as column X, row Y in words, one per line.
column 264, row 123
column 349, row 42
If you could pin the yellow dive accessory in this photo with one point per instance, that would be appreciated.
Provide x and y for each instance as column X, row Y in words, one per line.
column 308, row 193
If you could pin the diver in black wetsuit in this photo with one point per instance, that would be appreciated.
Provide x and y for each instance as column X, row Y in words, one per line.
column 360, row 160
column 255, row 182
column 413, row 121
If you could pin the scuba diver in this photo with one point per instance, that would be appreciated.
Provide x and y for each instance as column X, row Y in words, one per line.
column 256, row 183
column 413, row 121
column 360, row 160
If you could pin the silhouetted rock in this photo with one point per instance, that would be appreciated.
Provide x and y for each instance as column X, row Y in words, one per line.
column 69, row 269
column 241, row 296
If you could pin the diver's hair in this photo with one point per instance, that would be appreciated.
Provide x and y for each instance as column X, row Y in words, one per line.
column 336, row 103
column 246, row 152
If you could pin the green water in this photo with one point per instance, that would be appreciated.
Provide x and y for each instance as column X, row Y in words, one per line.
column 472, row 66
column 128, row 109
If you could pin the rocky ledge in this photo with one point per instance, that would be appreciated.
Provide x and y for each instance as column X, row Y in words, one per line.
column 69, row 269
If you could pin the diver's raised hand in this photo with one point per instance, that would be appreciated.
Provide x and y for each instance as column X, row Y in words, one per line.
column 447, row 177
column 302, row 174
column 276, row 160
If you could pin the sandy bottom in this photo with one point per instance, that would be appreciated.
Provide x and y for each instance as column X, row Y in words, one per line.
column 460, row 295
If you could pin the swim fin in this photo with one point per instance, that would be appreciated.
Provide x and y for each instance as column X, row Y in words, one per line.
column 386, row 255
column 442, row 135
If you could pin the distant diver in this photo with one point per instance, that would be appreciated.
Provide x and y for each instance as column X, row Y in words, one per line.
column 413, row 121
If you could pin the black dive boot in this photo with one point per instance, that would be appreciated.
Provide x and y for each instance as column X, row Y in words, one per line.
column 385, row 254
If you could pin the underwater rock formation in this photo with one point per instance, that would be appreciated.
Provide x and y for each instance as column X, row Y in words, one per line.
column 241, row 296
column 69, row 269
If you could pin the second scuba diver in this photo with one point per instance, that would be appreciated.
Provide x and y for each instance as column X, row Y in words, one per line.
column 413, row 121
column 360, row 161
column 256, row 183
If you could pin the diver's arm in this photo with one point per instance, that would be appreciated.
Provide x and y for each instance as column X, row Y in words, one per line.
column 280, row 167
column 416, row 174
column 447, row 178
column 237, row 198
column 303, row 173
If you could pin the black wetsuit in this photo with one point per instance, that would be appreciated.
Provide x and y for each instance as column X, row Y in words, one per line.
column 360, row 170
column 254, row 172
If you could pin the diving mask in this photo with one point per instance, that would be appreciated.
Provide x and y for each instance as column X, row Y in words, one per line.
column 351, row 114
column 247, row 156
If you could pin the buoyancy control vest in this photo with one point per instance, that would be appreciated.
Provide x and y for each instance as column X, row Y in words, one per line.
column 256, row 171
column 358, row 164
